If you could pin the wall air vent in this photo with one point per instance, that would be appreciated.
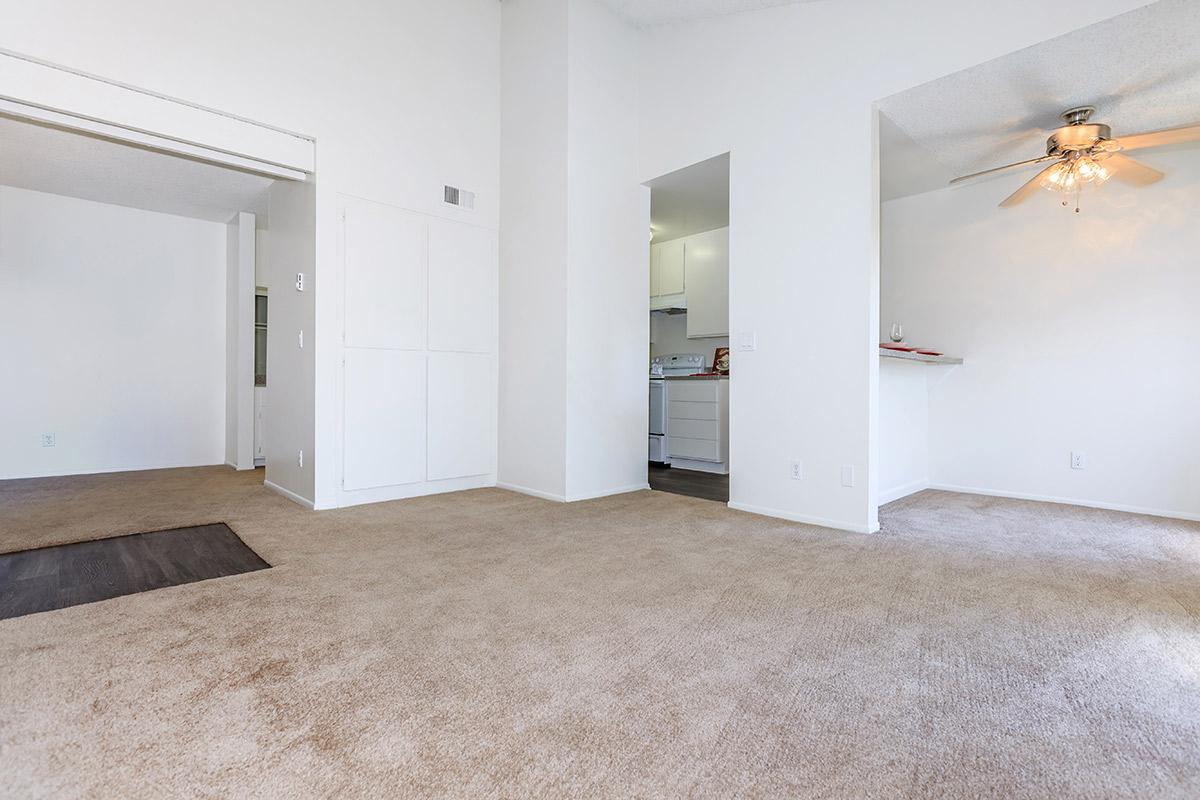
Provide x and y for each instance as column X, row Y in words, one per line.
column 461, row 198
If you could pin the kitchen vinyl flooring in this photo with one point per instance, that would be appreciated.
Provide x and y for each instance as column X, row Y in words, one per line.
column 85, row 572
column 704, row 485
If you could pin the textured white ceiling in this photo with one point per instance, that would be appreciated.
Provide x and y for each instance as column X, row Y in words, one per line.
column 60, row 162
column 661, row 12
column 1141, row 70
column 690, row 200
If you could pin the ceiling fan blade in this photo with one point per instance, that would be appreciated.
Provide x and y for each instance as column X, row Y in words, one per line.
column 993, row 170
column 1187, row 133
column 1027, row 189
column 1125, row 169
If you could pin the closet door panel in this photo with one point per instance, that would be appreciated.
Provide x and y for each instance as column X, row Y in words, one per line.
column 384, row 418
column 385, row 280
column 462, row 287
column 462, row 415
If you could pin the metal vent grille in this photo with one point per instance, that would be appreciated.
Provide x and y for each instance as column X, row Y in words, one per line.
column 461, row 198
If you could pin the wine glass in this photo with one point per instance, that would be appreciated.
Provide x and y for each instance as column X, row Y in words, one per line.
column 897, row 332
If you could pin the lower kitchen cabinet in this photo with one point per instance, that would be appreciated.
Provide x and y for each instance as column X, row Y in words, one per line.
column 698, row 423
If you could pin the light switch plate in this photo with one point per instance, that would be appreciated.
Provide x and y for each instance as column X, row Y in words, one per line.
column 745, row 341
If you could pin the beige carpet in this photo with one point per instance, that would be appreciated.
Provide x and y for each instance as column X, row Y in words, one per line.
column 486, row 644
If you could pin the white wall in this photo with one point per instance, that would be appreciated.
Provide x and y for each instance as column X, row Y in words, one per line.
column 788, row 91
column 401, row 98
column 1078, row 332
column 904, row 388
column 239, row 340
column 608, row 215
column 573, row 320
column 533, row 248
column 290, row 419
column 668, row 334
column 112, row 324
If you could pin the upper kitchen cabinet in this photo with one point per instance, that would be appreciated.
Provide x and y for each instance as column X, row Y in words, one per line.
column 707, row 277
column 671, row 267
column 667, row 274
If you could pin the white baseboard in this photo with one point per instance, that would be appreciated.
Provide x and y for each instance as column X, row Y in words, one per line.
column 902, row 491
column 512, row 487
column 1066, row 501
column 344, row 498
column 290, row 495
column 109, row 470
column 807, row 520
column 637, row 487
column 714, row 467
column 558, row 498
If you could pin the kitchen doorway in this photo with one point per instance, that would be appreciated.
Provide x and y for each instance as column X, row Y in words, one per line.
column 689, row 374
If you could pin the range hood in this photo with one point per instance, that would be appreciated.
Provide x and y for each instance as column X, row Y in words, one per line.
column 669, row 303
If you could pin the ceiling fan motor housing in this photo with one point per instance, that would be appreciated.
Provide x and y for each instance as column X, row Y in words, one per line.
column 1073, row 138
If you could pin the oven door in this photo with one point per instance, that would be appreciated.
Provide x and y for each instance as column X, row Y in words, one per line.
column 658, row 407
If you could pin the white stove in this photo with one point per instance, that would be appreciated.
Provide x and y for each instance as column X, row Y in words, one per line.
column 676, row 364
column 660, row 367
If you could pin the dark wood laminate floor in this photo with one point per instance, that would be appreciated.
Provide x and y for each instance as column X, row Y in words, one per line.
column 85, row 572
column 704, row 485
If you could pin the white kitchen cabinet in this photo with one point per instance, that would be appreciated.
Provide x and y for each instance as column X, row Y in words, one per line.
column 655, row 269
column 698, row 423
column 667, row 275
column 671, row 279
column 707, row 277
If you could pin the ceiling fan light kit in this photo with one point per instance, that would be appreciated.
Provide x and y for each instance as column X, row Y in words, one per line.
column 1084, row 153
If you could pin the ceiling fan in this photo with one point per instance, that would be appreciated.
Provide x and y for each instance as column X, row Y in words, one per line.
column 1084, row 153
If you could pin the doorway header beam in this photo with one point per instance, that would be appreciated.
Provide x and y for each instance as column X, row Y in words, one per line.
column 53, row 95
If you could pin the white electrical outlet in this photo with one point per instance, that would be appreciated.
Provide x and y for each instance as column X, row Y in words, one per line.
column 47, row 440
column 300, row 339
column 797, row 470
column 299, row 458
column 1078, row 460
column 299, row 281
column 848, row 475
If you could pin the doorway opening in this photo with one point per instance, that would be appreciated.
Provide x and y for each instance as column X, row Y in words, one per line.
column 688, row 449
column 146, row 261
column 1020, row 289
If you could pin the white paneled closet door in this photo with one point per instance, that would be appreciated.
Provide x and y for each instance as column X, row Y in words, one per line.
column 462, row 340
column 462, row 287
column 385, row 277
column 385, row 426
column 461, row 387
column 419, row 378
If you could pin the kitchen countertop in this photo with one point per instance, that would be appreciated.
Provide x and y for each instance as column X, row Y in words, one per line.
column 921, row 357
column 696, row 377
